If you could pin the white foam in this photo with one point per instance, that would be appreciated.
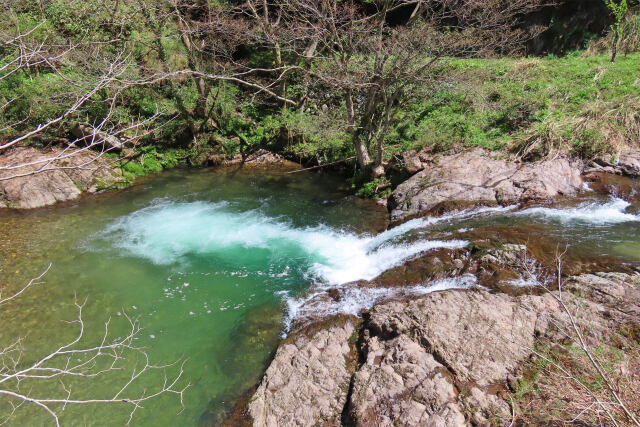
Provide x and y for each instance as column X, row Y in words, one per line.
column 598, row 213
column 167, row 232
column 423, row 222
column 524, row 283
column 361, row 264
column 354, row 299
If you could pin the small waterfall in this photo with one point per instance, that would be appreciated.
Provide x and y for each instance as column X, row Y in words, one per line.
column 169, row 232
column 355, row 299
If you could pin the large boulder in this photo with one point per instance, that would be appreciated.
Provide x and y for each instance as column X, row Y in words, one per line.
column 476, row 177
column 629, row 164
column 32, row 178
column 441, row 359
column 308, row 381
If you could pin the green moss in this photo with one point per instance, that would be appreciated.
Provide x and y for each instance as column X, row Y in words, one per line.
column 132, row 168
column 379, row 188
column 354, row 337
column 105, row 185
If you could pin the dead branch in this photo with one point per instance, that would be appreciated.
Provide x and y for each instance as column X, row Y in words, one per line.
column 75, row 360
column 578, row 337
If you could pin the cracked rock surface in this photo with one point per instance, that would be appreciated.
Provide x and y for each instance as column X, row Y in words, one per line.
column 308, row 381
column 444, row 359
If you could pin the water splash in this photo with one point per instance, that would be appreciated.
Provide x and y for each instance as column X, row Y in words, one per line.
column 354, row 299
column 597, row 213
column 424, row 222
column 169, row 232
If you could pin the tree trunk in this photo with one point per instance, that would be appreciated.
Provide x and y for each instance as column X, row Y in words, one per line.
column 283, row 85
column 614, row 49
column 361, row 151
column 362, row 155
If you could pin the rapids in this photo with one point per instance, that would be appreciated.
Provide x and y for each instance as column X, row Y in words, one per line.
column 217, row 263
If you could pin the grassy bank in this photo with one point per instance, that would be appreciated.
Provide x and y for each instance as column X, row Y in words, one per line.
column 579, row 104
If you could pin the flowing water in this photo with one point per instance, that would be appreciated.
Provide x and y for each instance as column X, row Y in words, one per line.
column 215, row 263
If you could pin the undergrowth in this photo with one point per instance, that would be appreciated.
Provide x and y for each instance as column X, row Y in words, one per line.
column 547, row 395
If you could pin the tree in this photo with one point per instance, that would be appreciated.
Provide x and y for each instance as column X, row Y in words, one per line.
column 78, row 74
column 375, row 53
column 74, row 368
column 92, row 60
column 619, row 10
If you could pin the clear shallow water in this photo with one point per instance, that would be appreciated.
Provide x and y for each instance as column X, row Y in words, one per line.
column 212, row 260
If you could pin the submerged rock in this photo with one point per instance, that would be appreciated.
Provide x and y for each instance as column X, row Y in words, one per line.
column 256, row 337
column 614, row 185
column 478, row 178
column 32, row 178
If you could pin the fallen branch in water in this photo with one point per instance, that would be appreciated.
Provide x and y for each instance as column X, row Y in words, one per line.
column 321, row 166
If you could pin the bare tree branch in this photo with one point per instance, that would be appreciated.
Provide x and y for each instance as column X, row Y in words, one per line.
column 73, row 360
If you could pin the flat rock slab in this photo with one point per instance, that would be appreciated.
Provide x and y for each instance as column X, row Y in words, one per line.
column 477, row 177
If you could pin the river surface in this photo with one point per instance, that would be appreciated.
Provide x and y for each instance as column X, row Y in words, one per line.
column 215, row 262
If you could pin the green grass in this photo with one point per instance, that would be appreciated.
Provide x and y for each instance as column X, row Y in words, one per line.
column 579, row 104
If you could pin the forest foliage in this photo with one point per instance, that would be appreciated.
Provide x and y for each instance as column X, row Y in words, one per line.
column 318, row 81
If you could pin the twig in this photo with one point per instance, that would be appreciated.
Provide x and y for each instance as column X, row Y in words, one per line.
column 322, row 166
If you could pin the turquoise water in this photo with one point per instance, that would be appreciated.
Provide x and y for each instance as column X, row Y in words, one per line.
column 207, row 260
column 213, row 262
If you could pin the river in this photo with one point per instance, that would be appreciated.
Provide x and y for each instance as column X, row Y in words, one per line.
column 215, row 263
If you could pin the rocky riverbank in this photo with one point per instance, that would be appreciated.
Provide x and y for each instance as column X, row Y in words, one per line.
column 446, row 358
column 36, row 177
column 450, row 338
column 32, row 177
column 479, row 177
